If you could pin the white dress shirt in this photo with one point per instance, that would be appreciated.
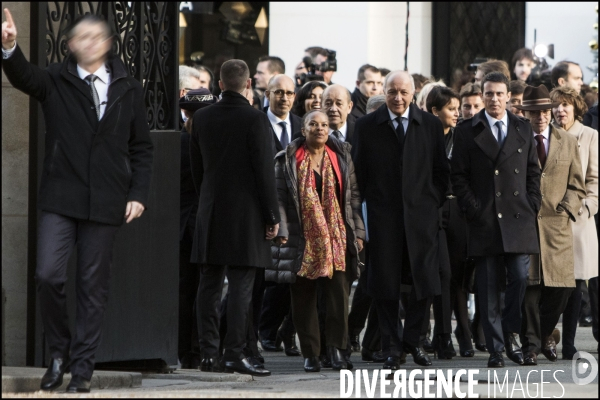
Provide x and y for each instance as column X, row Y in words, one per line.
column 546, row 135
column 404, row 119
column 492, row 121
column 101, row 84
column 275, row 120
column 7, row 53
column 343, row 131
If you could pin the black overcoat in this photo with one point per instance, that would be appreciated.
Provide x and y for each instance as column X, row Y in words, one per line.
column 403, row 198
column 295, row 129
column 497, row 189
column 91, row 168
column 231, row 156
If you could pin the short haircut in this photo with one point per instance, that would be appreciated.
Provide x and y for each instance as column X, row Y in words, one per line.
column 202, row 68
column 495, row 66
column 234, row 74
column 275, row 64
column 91, row 19
column 521, row 54
column 420, row 81
column 561, row 70
column 366, row 67
column 308, row 114
column 315, row 51
column 569, row 95
column 470, row 89
column 517, row 87
column 498, row 77
column 348, row 94
column 422, row 97
column 375, row 102
column 303, row 94
column 439, row 96
column 187, row 76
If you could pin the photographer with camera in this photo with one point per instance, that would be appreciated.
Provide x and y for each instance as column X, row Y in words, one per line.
column 318, row 64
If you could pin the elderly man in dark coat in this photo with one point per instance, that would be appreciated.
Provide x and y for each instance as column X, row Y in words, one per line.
column 238, row 213
column 496, row 177
column 403, row 174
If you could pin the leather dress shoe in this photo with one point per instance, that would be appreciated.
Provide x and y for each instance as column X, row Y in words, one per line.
column 419, row 355
column 355, row 343
column 325, row 361
column 270, row 345
column 394, row 362
column 372, row 356
column 549, row 349
column 211, row 364
column 496, row 360
column 78, row 384
column 289, row 343
column 442, row 347
column 53, row 377
column 338, row 361
column 481, row 347
column 255, row 361
column 312, row 364
column 243, row 366
column 530, row 358
column 427, row 345
column 467, row 353
column 513, row 350
column 585, row 322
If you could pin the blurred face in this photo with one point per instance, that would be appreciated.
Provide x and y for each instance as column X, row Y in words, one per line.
column 471, row 105
column 478, row 76
column 316, row 130
column 188, row 122
column 314, row 100
column 371, row 85
column 564, row 114
column 574, row 78
column 281, row 96
column 516, row 100
column 337, row 106
column 495, row 96
column 448, row 115
column 90, row 43
column 539, row 119
column 523, row 68
column 204, row 79
column 262, row 76
column 399, row 93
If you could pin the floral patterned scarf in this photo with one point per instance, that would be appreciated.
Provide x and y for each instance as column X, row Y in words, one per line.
column 322, row 222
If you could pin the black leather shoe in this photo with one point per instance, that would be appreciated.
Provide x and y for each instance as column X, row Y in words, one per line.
column 78, row 385
column 419, row 355
column 393, row 362
column 442, row 347
column 427, row 345
column 549, row 349
column 372, row 356
column 585, row 322
column 467, row 353
column 325, row 361
column 256, row 363
column 513, row 350
column 270, row 345
column 243, row 366
column 496, row 360
column 211, row 364
column 530, row 358
column 53, row 377
column 481, row 347
column 355, row 343
column 338, row 361
column 312, row 364
column 289, row 343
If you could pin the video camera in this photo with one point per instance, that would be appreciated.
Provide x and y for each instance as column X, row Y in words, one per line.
column 330, row 64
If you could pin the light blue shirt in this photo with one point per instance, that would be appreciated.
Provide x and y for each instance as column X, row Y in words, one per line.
column 492, row 121
column 404, row 119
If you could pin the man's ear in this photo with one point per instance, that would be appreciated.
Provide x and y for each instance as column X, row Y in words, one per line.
column 249, row 84
column 561, row 81
column 181, row 93
column 357, row 84
column 221, row 85
column 350, row 105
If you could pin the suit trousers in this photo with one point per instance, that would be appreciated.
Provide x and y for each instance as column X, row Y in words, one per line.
column 542, row 308
column 442, row 304
column 593, row 289
column 304, row 312
column 189, row 278
column 571, row 318
column 276, row 312
column 496, row 317
column 57, row 237
column 208, row 304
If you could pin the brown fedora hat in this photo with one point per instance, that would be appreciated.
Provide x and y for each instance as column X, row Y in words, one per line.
column 536, row 98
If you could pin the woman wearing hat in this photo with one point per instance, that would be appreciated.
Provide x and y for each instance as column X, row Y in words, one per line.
column 568, row 114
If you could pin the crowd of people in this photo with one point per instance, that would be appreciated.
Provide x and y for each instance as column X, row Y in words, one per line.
column 294, row 190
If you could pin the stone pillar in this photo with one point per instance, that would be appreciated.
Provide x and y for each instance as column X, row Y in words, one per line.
column 15, row 172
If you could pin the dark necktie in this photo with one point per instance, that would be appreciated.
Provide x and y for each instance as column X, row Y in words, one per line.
column 500, row 133
column 285, row 138
column 541, row 149
column 400, row 131
column 337, row 134
column 91, row 78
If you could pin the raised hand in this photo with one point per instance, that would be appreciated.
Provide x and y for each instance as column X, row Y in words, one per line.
column 9, row 31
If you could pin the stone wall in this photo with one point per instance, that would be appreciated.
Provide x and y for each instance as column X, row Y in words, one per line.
column 15, row 179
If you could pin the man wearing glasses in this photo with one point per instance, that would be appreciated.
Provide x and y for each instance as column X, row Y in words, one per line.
column 284, row 124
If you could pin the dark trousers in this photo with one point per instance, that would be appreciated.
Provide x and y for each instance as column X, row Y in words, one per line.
column 593, row 290
column 306, row 320
column 276, row 312
column 492, row 273
column 189, row 278
column 571, row 318
column 442, row 304
column 57, row 237
column 542, row 308
column 393, row 334
column 208, row 303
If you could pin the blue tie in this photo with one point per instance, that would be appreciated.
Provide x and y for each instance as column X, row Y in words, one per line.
column 285, row 139
column 500, row 133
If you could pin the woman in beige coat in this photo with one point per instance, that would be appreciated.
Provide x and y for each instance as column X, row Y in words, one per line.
column 568, row 115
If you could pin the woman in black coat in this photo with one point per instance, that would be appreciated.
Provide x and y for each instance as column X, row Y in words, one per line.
column 321, row 233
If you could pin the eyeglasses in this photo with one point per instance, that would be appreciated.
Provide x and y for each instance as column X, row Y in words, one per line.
column 281, row 92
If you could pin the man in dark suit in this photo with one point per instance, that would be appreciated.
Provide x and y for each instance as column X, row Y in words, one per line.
column 232, row 167
column 97, row 173
column 403, row 175
column 368, row 84
column 337, row 103
column 266, row 69
column 496, row 177
column 284, row 124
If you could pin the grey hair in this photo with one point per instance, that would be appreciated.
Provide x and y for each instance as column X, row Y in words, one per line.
column 422, row 97
column 375, row 102
column 186, row 74
column 391, row 75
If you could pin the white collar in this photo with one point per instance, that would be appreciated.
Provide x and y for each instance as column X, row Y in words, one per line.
column 343, row 129
column 275, row 120
column 545, row 133
column 101, row 73
column 492, row 121
column 394, row 116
